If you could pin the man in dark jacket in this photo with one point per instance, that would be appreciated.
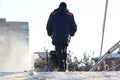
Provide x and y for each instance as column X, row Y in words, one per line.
column 61, row 26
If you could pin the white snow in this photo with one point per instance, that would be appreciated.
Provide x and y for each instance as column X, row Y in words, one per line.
column 114, row 55
column 112, row 75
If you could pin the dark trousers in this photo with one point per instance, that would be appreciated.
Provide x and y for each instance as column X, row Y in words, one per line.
column 61, row 50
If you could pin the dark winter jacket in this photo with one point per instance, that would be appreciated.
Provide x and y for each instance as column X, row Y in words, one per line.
column 61, row 25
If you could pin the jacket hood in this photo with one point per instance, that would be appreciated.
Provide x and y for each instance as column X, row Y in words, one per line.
column 61, row 10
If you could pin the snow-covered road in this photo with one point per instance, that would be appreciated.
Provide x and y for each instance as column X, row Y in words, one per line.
column 113, row 75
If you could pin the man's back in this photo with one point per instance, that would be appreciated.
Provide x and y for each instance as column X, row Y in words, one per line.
column 62, row 25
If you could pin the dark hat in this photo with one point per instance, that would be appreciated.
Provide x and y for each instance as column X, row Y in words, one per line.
column 63, row 5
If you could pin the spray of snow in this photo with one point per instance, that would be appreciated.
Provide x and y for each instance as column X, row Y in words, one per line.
column 14, row 57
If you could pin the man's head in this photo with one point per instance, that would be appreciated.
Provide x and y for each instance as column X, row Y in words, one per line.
column 63, row 5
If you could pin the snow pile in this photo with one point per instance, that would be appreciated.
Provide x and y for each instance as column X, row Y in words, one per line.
column 113, row 75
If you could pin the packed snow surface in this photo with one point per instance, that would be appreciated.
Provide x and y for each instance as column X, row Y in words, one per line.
column 31, row 75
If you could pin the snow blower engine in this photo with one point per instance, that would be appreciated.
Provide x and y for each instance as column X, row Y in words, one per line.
column 45, row 61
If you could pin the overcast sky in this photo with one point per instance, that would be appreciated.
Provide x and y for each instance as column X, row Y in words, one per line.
column 89, row 15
